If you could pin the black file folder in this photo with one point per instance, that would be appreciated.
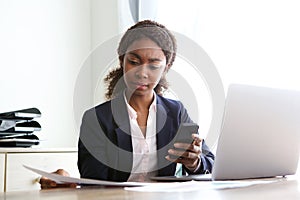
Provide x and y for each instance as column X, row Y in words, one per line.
column 24, row 114
column 26, row 140
column 29, row 126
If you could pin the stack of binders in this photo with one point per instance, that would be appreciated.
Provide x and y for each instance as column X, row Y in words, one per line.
column 17, row 128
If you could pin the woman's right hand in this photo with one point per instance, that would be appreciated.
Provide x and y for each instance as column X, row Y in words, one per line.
column 48, row 183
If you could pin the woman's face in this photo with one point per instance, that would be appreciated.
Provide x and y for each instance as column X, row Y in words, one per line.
column 144, row 64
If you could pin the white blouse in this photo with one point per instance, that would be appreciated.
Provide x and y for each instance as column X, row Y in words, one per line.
column 144, row 148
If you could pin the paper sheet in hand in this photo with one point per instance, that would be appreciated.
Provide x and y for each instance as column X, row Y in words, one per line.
column 83, row 181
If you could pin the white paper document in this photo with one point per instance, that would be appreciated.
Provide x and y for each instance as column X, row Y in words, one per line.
column 190, row 186
column 84, row 181
column 154, row 186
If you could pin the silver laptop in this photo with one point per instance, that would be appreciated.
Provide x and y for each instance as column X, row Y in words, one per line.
column 260, row 135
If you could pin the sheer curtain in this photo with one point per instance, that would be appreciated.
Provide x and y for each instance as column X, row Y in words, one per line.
column 177, row 15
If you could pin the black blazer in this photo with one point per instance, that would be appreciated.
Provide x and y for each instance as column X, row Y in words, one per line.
column 105, row 147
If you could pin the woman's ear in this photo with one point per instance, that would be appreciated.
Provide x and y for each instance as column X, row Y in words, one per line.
column 121, row 61
column 168, row 66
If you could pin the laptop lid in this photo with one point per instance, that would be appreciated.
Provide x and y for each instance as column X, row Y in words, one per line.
column 260, row 135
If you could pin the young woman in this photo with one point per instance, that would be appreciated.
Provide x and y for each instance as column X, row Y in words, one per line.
column 130, row 137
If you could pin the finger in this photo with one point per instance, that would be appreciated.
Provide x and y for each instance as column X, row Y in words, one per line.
column 52, row 184
column 175, row 153
column 62, row 172
column 46, row 184
column 66, row 185
column 45, row 181
column 176, row 159
column 171, row 159
column 196, row 139
column 184, row 146
column 188, row 147
column 183, row 154
column 191, row 164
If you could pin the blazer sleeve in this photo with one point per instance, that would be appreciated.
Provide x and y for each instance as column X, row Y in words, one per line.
column 207, row 161
column 91, row 154
column 207, row 157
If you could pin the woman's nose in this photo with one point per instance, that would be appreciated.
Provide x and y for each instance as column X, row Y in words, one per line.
column 142, row 72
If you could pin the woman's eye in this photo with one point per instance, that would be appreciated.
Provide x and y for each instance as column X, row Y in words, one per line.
column 154, row 67
column 132, row 62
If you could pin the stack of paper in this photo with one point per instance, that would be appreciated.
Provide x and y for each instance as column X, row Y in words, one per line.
column 17, row 128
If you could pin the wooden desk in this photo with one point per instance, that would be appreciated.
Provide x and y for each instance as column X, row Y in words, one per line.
column 287, row 189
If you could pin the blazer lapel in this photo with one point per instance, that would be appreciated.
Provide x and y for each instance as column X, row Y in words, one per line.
column 123, row 135
column 164, row 128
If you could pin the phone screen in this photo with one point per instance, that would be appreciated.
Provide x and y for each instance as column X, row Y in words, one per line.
column 184, row 134
column 185, row 131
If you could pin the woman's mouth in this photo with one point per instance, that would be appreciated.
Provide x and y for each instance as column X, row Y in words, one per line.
column 141, row 86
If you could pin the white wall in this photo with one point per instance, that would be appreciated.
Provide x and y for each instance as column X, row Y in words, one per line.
column 253, row 41
column 104, row 21
column 104, row 26
column 250, row 41
column 43, row 44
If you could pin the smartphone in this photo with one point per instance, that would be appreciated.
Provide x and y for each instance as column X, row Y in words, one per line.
column 184, row 135
column 185, row 131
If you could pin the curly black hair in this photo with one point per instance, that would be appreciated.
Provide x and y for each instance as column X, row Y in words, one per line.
column 156, row 32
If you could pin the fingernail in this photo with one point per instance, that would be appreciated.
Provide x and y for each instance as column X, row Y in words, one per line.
column 52, row 184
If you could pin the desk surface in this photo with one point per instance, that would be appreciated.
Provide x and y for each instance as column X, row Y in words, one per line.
column 36, row 150
column 286, row 189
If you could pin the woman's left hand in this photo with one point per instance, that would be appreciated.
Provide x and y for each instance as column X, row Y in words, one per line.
column 188, row 154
